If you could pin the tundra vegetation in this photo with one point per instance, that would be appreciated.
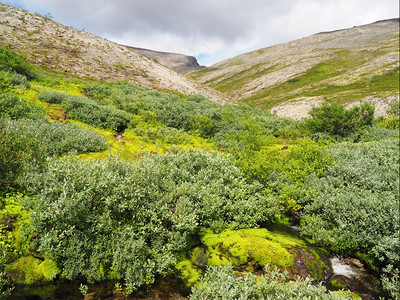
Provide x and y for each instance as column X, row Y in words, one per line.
column 109, row 181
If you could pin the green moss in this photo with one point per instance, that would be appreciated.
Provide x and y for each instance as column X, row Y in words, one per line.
column 25, row 270
column 28, row 270
column 240, row 246
column 338, row 284
column 346, row 295
column 188, row 272
column 49, row 269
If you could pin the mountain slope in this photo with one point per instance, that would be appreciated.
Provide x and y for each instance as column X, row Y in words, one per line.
column 346, row 65
column 178, row 62
column 63, row 48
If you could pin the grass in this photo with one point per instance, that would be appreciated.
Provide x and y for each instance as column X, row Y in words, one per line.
column 313, row 82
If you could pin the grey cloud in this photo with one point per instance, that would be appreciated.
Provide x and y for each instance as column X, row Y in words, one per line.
column 189, row 25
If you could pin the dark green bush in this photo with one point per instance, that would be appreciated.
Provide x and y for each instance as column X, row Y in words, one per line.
column 334, row 119
column 354, row 207
column 15, row 62
column 17, row 108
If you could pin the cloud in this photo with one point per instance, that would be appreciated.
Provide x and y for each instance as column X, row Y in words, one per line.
column 212, row 30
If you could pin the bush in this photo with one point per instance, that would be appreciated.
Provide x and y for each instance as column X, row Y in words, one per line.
column 108, row 219
column 15, row 62
column 334, row 119
column 16, row 148
column 58, row 138
column 354, row 206
column 90, row 112
column 53, row 97
column 222, row 283
column 17, row 108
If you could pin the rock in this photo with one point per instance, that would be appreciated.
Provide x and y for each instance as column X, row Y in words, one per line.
column 251, row 249
column 354, row 261
column 178, row 62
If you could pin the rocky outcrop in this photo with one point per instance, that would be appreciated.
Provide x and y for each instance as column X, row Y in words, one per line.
column 178, row 62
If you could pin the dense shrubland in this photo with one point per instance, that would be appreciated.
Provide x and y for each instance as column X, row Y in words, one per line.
column 336, row 175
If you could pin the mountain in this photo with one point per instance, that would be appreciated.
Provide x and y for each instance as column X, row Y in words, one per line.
column 66, row 49
column 178, row 62
column 346, row 65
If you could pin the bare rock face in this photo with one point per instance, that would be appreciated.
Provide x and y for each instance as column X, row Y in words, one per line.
column 178, row 62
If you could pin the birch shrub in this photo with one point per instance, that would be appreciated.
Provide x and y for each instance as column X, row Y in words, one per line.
column 354, row 207
column 223, row 284
column 58, row 138
column 109, row 219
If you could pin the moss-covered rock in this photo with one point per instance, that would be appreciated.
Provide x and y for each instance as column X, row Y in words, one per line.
column 28, row 270
column 252, row 249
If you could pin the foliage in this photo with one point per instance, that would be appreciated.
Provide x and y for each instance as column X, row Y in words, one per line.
column 354, row 206
column 58, row 138
column 89, row 111
column 17, row 108
column 250, row 250
column 28, row 270
column 222, row 283
column 16, row 148
column 333, row 118
column 53, row 97
column 108, row 219
column 15, row 62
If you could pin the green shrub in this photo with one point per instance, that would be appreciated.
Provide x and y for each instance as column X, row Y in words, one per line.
column 53, row 97
column 17, row 108
column 334, row 119
column 222, row 283
column 354, row 206
column 15, row 62
column 109, row 219
column 58, row 138
column 16, row 148
column 90, row 112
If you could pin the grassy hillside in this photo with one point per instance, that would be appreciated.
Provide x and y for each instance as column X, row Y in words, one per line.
column 112, row 182
column 76, row 52
column 346, row 65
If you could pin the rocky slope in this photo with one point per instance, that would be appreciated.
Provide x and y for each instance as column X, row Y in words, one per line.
column 63, row 48
column 347, row 65
column 178, row 62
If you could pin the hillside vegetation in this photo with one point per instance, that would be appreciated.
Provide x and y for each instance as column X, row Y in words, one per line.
column 346, row 65
column 76, row 52
column 109, row 181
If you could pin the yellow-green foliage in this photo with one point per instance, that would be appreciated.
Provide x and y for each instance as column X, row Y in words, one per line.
column 49, row 269
column 238, row 246
column 28, row 270
column 188, row 272
column 17, row 222
column 251, row 249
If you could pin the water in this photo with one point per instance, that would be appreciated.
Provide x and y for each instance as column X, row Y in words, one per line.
column 350, row 274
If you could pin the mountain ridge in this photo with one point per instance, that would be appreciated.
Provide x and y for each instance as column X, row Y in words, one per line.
column 63, row 48
column 178, row 62
column 346, row 65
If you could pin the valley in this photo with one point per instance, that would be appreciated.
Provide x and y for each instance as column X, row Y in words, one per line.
column 122, row 179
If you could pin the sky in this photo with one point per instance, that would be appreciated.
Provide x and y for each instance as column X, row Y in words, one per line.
column 210, row 30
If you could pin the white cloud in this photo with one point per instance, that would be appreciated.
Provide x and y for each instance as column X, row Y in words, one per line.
column 212, row 29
